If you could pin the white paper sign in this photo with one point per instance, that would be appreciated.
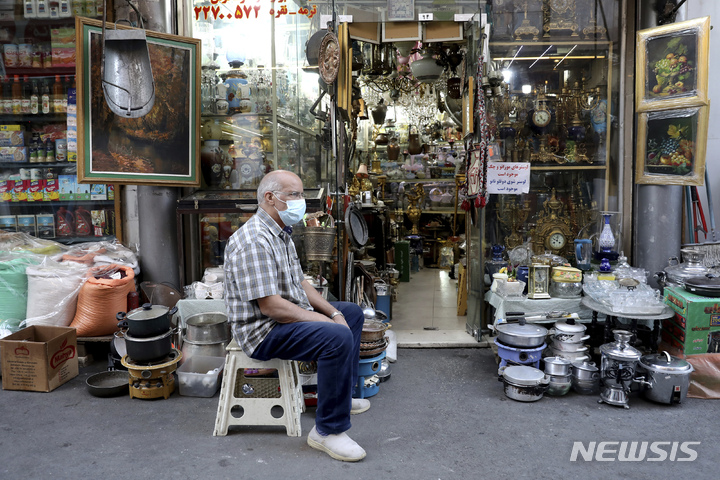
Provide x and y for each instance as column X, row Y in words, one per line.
column 508, row 178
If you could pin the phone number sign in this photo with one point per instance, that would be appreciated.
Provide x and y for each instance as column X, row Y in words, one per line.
column 245, row 9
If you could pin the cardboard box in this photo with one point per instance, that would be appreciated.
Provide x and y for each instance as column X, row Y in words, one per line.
column 35, row 191
column 51, row 191
column 39, row 358
column 12, row 138
column 66, row 187
column 26, row 224
column 82, row 191
column 98, row 221
column 98, row 192
column 6, row 188
column 695, row 329
column 8, row 223
column 14, row 154
column 45, row 225
column 111, row 192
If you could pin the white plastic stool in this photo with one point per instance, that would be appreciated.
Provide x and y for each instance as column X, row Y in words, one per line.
column 257, row 396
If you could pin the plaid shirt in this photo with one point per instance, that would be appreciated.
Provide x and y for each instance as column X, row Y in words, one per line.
column 260, row 260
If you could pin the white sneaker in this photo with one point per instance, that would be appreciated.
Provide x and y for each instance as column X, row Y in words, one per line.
column 359, row 405
column 338, row 446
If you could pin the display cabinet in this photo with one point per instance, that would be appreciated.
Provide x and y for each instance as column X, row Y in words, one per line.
column 547, row 105
column 39, row 192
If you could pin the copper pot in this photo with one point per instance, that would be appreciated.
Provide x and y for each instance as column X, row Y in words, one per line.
column 373, row 331
column 381, row 139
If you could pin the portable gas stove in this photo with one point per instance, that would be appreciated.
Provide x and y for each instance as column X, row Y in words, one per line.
column 153, row 379
column 368, row 381
column 519, row 356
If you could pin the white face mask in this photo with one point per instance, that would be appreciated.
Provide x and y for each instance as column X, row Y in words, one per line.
column 294, row 213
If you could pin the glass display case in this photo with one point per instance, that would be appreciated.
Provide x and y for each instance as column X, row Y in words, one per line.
column 256, row 97
column 548, row 104
column 39, row 192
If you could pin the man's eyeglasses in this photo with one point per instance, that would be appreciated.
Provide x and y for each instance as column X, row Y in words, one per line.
column 295, row 195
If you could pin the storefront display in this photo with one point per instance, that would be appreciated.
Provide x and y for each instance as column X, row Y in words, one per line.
column 39, row 191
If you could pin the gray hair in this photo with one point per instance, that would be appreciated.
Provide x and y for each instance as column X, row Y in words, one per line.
column 269, row 183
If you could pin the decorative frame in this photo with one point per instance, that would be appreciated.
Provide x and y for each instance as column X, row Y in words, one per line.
column 160, row 148
column 671, row 146
column 671, row 65
column 400, row 10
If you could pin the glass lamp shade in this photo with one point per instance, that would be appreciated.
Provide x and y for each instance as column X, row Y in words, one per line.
column 426, row 70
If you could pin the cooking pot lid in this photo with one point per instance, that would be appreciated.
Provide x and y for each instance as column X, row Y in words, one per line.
column 569, row 326
column 523, row 375
column 520, row 330
column 665, row 363
column 355, row 226
column 585, row 365
column 374, row 326
column 691, row 268
column 708, row 281
column 557, row 361
column 147, row 312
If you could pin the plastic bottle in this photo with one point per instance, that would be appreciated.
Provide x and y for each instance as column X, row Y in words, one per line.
column 26, row 93
column 64, row 223
column 29, row 9
column 43, row 9
column 45, row 98
column 57, row 95
column 34, row 99
column 66, row 86
column 65, row 9
column 7, row 97
column 16, row 95
column 83, row 222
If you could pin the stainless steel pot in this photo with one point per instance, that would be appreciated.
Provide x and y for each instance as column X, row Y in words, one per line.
column 208, row 327
column 677, row 272
column 146, row 349
column 523, row 383
column 570, row 346
column 557, row 366
column 207, row 350
column 667, row 378
column 572, row 356
column 585, row 371
column 569, row 331
column 521, row 334
column 147, row 321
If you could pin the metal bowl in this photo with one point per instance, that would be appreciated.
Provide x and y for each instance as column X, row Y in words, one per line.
column 108, row 384
column 384, row 372
column 207, row 328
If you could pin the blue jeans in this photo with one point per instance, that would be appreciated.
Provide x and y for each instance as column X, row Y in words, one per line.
column 335, row 348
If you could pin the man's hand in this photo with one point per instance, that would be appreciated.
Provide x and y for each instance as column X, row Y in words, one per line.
column 340, row 320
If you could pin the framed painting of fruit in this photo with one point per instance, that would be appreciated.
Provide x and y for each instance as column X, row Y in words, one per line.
column 671, row 65
column 671, row 146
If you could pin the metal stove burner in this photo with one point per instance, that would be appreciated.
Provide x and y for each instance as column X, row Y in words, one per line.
column 174, row 356
column 519, row 356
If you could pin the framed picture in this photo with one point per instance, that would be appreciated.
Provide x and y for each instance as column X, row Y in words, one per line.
column 671, row 146
column 400, row 10
column 671, row 65
column 159, row 148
